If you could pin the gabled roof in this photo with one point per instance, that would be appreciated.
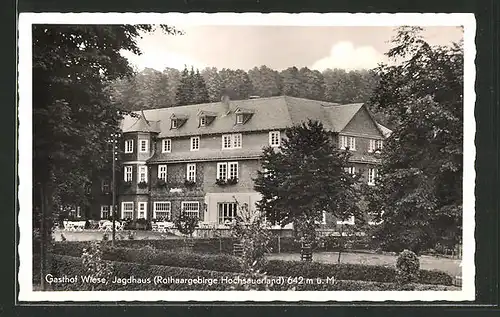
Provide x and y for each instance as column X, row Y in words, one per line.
column 141, row 124
column 272, row 113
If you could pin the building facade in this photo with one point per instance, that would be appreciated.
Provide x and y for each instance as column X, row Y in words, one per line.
column 202, row 158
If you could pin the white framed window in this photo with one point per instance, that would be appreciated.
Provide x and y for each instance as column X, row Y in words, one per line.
column 162, row 172
column 143, row 146
column 347, row 142
column 105, row 211
column 239, row 119
column 191, row 208
column 173, row 124
column 191, row 172
column 105, row 186
column 233, row 169
column 323, row 218
column 127, row 173
column 166, row 145
column 232, row 141
column 222, row 171
column 142, row 212
column 372, row 146
column 237, row 141
column 352, row 143
column 371, row 176
column 129, row 146
column 226, row 212
column 195, row 143
column 274, row 138
column 128, row 210
column 203, row 121
column 162, row 210
column 379, row 145
column 348, row 221
column 351, row 170
column 143, row 174
column 227, row 170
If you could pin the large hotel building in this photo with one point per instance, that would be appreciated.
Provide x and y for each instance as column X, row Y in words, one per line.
column 200, row 158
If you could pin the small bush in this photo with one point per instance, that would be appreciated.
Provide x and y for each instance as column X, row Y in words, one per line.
column 407, row 267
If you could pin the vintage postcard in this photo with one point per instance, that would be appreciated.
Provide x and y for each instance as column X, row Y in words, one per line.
column 298, row 157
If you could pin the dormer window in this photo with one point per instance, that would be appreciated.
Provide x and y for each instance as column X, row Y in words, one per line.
column 239, row 119
column 206, row 118
column 176, row 121
column 243, row 115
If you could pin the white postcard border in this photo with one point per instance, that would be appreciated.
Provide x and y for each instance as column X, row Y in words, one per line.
column 26, row 293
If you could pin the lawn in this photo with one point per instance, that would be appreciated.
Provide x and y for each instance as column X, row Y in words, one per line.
column 450, row 266
column 88, row 235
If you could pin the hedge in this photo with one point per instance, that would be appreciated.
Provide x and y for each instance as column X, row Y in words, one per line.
column 71, row 266
column 221, row 262
column 375, row 273
column 227, row 263
column 209, row 245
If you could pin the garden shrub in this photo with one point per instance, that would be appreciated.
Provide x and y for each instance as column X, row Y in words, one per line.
column 148, row 255
column 407, row 267
column 272, row 267
column 71, row 266
column 345, row 271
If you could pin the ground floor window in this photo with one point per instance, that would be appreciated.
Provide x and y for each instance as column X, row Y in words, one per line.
column 142, row 212
column 162, row 210
column 105, row 211
column 227, row 212
column 191, row 208
column 127, row 210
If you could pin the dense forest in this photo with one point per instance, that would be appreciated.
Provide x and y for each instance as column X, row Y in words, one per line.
column 154, row 89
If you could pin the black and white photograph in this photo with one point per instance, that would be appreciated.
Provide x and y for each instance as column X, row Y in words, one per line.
column 304, row 157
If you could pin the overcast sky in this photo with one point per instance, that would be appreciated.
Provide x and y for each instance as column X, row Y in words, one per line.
column 279, row 47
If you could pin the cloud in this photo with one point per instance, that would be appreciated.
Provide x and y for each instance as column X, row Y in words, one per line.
column 160, row 60
column 345, row 56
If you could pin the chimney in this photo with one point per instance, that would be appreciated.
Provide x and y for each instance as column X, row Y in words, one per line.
column 225, row 102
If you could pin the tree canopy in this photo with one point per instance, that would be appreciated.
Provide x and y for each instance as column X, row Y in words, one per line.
column 72, row 110
column 419, row 184
column 304, row 177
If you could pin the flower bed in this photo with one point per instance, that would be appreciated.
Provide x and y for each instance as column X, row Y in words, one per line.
column 227, row 263
column 138, row 274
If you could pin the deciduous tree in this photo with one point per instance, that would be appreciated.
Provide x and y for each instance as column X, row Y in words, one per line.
column 419, row 185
